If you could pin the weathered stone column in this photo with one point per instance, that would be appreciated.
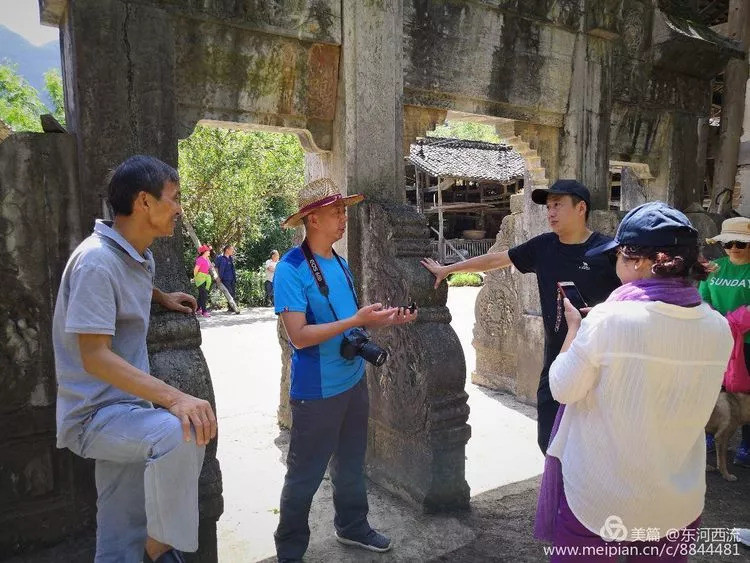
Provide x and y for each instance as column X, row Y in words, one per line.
column 118, row 70
column 418, row 410
column 46, row 494
column 584, row 143
column 732, row 107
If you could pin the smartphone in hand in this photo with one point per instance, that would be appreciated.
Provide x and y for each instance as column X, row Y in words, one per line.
column 570, row 291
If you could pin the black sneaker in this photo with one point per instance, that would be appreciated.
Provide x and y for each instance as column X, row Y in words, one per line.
column 373, row 541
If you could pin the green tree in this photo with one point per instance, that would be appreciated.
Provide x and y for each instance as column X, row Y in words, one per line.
column 53, row 86
column 237, row 186
column 20, row 106
column 466, row 130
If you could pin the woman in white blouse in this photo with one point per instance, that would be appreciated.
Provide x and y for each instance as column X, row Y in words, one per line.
column 638, row 379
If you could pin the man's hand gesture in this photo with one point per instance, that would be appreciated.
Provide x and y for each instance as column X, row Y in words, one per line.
column 198, row 413
column 440, row 272
column 377, row 316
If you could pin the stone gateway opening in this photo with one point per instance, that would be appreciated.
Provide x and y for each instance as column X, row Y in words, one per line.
column 584, row 90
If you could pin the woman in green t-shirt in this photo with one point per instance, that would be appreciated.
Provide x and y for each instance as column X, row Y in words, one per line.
column 727, row 289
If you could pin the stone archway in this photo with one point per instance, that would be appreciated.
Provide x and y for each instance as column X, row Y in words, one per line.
column 507, row 309
column 139, row 74
column 502, row 320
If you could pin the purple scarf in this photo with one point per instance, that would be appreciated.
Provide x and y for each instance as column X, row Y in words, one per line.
column 675, row 291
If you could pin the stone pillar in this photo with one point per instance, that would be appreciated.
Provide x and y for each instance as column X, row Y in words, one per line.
column 732, row 108
column 743, row 163
column 632, row 191
column 418, row 412
column 685, row 187
column 118, row 69
column 584, row 143
column 46, row 494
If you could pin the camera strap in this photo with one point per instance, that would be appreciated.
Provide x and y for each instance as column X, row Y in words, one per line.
column 320, row 280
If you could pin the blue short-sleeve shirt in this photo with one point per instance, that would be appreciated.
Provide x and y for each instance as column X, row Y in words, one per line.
column 317, row 371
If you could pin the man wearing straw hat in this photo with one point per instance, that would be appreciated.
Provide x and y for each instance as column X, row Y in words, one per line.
column 314, row 295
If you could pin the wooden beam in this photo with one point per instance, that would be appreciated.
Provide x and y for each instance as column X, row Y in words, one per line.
column 441, row 238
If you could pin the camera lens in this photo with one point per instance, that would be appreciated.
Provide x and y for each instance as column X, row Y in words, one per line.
column 373, row 354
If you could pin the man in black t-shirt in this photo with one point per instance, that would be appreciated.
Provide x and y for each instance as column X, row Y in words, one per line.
column 554, row 257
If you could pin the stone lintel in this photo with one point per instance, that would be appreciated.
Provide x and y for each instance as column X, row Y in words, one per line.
column 448, row 101
column 317, row 21
column 51, row 12
column 604, row 19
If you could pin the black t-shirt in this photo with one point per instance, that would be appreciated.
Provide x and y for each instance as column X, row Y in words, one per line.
column 552, row 262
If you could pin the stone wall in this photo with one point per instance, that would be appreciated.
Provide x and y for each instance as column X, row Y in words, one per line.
column 133, row 45
column 587, row 82
column 46, row 494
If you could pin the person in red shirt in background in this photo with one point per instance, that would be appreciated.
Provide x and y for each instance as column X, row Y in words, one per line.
column 202, row 279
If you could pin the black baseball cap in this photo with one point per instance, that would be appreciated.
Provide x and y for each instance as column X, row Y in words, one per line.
column 562, row 187
column 651, row 224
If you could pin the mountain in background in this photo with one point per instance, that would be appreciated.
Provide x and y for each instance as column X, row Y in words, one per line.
column 32, row 62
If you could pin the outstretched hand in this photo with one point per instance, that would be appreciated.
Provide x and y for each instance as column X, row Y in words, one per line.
column 440, row 272
column 377, row 316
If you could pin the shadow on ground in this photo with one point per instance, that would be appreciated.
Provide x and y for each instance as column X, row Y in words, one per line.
column 245, row 317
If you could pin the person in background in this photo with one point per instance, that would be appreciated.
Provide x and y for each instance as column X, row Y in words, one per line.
column 641, row 373
column 202, row 278
column 225, row 269
column 726, row 290
column 270, row 266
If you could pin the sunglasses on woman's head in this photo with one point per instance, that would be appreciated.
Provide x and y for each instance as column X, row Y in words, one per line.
column 735, row 243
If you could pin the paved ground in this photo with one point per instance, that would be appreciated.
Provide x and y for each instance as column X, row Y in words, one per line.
column 243, row 357
column 502, row 468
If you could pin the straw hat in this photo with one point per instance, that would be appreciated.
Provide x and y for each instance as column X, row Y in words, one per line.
column 315, row 195
column 736, row 228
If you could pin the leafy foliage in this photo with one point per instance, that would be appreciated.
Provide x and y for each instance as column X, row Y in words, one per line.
column 20, row 106
column 466, row 130
column 54, row 87
column 250, row 288
column 465, row 279
column 237, row 187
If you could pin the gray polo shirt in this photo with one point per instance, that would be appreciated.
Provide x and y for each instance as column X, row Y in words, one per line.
column 106, row 288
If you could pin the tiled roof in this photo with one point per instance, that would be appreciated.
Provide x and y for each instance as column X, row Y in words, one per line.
column 474, row 160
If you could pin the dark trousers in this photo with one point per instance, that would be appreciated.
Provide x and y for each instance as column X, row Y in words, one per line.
column 230, row 285
column 746, row 427
column 323, row 430
column 269, row 292
column 202, row 297
column 546, row 411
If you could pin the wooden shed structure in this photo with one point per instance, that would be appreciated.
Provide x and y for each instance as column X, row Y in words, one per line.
column 464, row 188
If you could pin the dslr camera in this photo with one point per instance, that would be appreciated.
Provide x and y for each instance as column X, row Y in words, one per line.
column 357, row 343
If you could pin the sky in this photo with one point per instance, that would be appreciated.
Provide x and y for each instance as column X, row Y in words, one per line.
column 22, row 16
